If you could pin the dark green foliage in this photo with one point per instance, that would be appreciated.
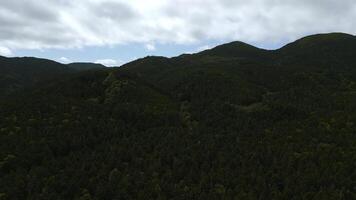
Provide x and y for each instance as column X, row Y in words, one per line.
column 85, row 66
column 17, row 74
column 234, row 122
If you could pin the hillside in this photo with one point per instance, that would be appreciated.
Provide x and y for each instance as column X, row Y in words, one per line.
column 82, row 66
column 232, row 122
column 17, row 74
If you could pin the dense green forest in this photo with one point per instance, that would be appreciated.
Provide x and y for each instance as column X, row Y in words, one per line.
column 17, row 74
column 232, row 122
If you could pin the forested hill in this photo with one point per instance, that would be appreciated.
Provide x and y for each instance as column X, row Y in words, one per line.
column 82, row 66
column 16, row 74
column 232, row 122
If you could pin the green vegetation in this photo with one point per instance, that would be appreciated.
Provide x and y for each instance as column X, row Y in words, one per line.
column 85, row 66
column 18, row 74
column 234, row 122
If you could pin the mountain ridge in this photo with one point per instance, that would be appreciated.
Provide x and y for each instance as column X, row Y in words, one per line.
column 205, row 126
column 18, row 73
column 236, row 45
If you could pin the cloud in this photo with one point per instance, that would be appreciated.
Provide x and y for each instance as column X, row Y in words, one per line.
column 150, row 47
column 4, row 51
column 108, row 62
column 64, row 60
column 40, row 24
column 202, row 48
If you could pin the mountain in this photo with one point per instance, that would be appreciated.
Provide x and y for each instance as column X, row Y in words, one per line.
column 325, row 42
column 232, row 122
column 16, row 74
column 85, row 66
column 236, row 49
column 325, row 49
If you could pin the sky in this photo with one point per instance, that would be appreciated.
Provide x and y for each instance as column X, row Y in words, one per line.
column 114, row 32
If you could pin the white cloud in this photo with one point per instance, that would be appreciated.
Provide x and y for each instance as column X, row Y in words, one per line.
column 4, row 51
column 150, row 47
column 29, row 24
column 202, row 48
column 64, row 60
column 109, row 62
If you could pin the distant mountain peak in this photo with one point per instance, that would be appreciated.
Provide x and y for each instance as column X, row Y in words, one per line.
column 325, row 39
column 239, row 44
column 328, row 36
column 235, row 49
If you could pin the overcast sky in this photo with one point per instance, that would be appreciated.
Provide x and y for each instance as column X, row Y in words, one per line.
column 117, row 31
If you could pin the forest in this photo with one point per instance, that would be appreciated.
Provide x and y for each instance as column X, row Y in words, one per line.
column 232, row 122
